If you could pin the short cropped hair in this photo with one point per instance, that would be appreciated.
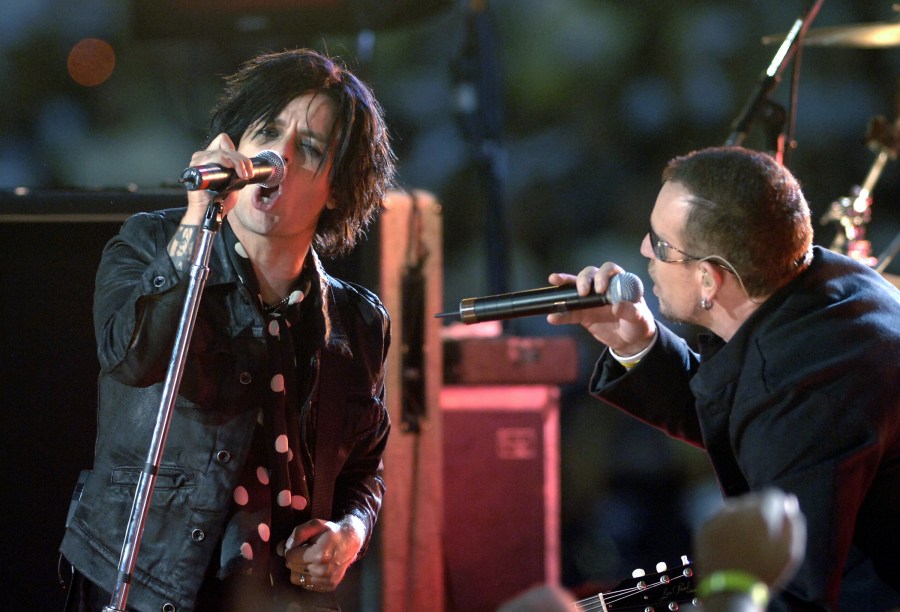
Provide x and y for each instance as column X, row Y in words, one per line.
column 747, row 209
column 363, row 166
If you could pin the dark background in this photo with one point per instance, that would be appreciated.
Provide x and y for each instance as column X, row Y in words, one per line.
column 578, row 105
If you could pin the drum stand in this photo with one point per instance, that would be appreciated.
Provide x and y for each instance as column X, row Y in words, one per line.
column 854, row 212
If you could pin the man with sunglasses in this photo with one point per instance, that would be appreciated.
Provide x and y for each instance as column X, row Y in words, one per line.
column 797, row 386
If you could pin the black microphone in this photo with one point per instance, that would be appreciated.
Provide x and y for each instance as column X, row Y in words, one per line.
column 268, row 170
column 624, row 286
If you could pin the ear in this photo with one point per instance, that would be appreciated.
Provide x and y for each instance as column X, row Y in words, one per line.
column 330, row 204
column 711, row 277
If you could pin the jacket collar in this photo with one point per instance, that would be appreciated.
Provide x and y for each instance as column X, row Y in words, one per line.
column 730, row 356
column 322, row 306
column 330, row 293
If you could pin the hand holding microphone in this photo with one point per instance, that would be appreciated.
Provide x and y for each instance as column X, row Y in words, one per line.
column 624, row 286
column 219, row 170
column 268, row 171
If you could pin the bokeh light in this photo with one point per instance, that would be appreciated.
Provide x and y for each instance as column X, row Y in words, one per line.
column 91, row 62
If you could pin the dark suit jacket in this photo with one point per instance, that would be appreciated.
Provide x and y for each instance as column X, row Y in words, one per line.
column 805, row 397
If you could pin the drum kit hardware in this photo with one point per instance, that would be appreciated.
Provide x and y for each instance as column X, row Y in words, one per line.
column 853, row 212
column 878, row 35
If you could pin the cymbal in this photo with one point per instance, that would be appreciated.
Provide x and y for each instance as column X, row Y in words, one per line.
column 875, row 35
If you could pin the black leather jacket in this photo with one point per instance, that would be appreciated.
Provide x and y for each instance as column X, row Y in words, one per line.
column 138, row 301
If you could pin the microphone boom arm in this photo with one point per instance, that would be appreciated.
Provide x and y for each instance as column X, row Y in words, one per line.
column 771, row 77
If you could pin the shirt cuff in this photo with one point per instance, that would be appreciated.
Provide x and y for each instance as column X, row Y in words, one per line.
column 631, row 361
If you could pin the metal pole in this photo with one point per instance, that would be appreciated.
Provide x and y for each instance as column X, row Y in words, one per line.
column 144, row 491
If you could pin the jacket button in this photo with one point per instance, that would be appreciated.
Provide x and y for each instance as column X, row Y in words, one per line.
column 197, row 535
column 159, row 281
column 168, row 607
column 245, row 378
column 223, row 456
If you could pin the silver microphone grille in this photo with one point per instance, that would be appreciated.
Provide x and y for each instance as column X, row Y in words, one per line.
column 625, row 286
column 277, row 163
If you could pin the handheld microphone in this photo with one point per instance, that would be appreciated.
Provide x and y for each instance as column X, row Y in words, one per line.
column 624, row 286
column 268, row 170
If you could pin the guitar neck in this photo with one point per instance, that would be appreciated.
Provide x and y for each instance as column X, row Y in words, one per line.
column 669, row 586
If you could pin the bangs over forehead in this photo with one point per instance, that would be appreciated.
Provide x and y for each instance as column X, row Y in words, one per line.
column 259, row 91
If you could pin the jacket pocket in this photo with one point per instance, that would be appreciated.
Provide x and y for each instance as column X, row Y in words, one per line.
column 168, row 478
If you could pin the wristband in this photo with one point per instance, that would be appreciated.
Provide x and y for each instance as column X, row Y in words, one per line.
column 734, row 581
column 630, row 362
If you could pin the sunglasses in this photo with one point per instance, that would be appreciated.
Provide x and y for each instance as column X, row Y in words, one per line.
column 661, row 250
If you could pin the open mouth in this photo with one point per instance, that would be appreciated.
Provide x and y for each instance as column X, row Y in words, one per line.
column 265, row 197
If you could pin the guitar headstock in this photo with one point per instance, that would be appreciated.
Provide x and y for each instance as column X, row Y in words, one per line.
column 663, row 590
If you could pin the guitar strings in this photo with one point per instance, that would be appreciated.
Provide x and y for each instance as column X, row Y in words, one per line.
column 617, row 596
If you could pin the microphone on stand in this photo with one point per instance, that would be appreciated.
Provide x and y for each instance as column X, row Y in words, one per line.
column 624, row 286
column 268, row 170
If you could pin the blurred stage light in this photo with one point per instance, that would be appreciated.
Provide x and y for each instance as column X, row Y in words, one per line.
column 91, row 61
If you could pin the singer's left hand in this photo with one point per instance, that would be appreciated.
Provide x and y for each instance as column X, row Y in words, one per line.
column 319, row 552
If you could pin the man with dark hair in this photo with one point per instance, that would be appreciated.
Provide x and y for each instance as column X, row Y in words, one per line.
column 796, row 388
column 272, row 477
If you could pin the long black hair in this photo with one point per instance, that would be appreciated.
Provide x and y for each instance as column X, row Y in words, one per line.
column 362, row 167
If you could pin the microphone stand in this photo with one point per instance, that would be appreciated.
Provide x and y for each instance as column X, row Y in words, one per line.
column 479, row 102
column 144, row 490
column 770, row 78
column 887, row 256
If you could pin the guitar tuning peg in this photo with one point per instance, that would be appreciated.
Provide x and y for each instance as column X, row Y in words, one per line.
column 661, row 567
column 638, row 573
column 684, row 560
